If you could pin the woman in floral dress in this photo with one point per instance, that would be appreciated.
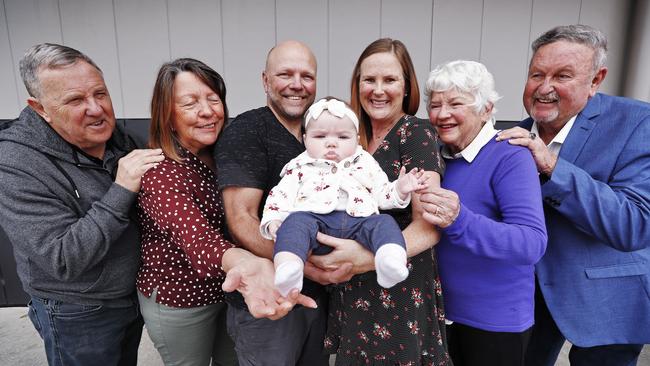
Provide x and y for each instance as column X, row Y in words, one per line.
column 403, row 325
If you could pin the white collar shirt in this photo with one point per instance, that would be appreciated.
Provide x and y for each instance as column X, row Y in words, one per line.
column 556, row 144
column 470, row 152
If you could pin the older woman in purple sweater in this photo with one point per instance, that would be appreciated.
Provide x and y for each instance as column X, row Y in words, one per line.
column 490, row 212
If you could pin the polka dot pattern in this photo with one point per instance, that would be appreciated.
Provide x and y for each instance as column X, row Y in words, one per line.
column 182, row 220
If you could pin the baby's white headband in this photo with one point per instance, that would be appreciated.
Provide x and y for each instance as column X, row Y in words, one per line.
column 335, row 107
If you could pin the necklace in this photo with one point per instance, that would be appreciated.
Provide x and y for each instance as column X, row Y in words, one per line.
column 383, row 132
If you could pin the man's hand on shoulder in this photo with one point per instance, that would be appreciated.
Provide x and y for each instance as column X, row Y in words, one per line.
column 544, row 159
column 132, row 166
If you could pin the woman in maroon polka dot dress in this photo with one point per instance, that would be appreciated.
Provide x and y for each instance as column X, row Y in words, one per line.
column 182, row 221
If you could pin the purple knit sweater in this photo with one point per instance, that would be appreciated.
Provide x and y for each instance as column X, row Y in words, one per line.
column 487, row 256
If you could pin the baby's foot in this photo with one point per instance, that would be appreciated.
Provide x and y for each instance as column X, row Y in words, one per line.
column 390, row 264
column 288, row 275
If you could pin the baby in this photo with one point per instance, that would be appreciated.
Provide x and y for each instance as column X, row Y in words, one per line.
column 337, row 188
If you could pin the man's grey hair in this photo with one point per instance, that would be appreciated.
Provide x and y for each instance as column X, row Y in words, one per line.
column 48, row 56
column 468, row 77
column 577, row 33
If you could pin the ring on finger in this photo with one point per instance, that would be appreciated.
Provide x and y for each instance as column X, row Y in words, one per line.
column 532, row 135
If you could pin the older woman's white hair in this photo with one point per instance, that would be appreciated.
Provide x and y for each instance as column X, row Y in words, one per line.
column 468, row 77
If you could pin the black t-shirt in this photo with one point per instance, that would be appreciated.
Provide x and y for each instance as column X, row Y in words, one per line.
column 251, row 152
column 253, row 149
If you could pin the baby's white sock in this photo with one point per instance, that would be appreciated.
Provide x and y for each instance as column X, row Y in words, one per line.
column 288, row 272
column 390, row 264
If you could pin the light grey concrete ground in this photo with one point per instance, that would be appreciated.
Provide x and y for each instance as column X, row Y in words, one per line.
column 20, row 345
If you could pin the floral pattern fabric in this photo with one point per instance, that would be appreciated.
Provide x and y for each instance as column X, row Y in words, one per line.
column 403, row 325
column 321, row 186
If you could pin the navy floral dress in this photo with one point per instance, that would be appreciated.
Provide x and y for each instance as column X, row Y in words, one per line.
column 403, row 325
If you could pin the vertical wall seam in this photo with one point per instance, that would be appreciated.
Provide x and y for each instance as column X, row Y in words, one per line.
column 381, row 14
column 480, row 42
column 431, row 37
column 530, row 30
column 628, row 45
column 580, row 13
column 223, row 42
column 522, row 112
column 169, row 30
column 119, row 63
column 327, row 48
column 11, row 56
column 58, row 10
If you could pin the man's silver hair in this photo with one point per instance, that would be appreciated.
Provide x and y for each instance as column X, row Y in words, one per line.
column 48, row 56
column 468, row 77
column 577, row 33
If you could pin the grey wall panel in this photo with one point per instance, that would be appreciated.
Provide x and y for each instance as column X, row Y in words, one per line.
column 89, row 26
column 611, row 17
column 637, row 77
column 547, row 14
column 248, row 34
column 456, row 31
column 410, row 22
column 195, row 31
column 353, row 25
column 10, row 105
column 30, row 22
column 129, row 39
column 506, row 26
column 307, row 21
column 143, row 45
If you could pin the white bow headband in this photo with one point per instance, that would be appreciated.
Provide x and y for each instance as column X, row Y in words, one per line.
column 335, row 107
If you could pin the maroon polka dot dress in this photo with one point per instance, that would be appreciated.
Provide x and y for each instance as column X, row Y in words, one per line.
column 181, row 218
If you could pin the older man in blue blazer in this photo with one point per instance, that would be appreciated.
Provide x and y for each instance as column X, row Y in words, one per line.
column 593, row 154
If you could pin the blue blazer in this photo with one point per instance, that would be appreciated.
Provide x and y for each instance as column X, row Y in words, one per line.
column 595, row 275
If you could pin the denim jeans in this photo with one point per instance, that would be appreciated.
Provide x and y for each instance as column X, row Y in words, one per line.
column 296, row 339
column 87, row 334
column 297, row 234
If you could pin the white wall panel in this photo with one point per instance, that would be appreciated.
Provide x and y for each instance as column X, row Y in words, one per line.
column 10, row 105
column 456, row 31
column 504, row 50
column 306, row 21
column 551, row 13
column 353, row 26
column 248, row 35
column 611, row 17
column 130, row 39
column 195, row 31
column 88, row 25
column 31, row 22
column 142, row 45
column 546, row 15
column 410, row 22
